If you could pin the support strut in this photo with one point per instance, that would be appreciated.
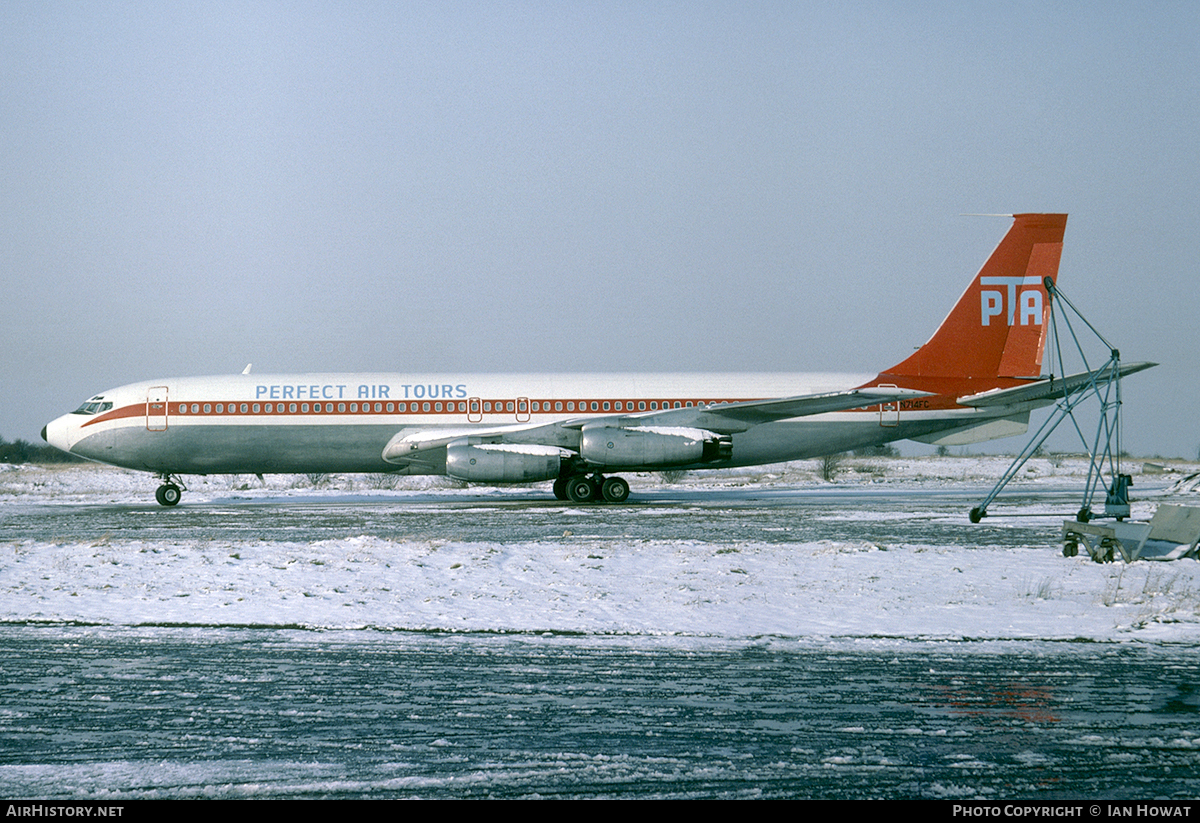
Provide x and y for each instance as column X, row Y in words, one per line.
column 1104, row 450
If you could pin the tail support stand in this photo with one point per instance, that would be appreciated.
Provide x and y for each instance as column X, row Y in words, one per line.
column 1104, row 451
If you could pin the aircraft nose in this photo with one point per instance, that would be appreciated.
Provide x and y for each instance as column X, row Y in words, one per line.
column 57, row 433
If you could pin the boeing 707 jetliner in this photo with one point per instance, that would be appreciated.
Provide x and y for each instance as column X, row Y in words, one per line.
column 976, row 379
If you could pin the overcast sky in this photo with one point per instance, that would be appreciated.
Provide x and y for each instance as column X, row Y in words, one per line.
column 580, row 186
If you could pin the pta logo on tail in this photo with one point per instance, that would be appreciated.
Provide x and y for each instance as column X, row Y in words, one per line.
column 1022, row 298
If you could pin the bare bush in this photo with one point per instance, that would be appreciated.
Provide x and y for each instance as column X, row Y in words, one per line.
column 831, row 464
column 381, row 481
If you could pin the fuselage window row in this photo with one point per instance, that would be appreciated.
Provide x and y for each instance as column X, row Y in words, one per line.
column 460, row 407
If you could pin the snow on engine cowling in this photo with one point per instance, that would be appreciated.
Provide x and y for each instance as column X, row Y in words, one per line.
column 651, row 446
column 497, row 463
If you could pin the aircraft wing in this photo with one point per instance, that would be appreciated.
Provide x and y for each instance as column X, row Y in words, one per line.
column 727, row 418
column 417, row 446
column 1047, row 390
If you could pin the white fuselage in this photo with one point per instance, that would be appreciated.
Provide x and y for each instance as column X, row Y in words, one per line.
column 343, row 422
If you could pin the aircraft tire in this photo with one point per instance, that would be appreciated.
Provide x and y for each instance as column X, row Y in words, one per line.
column 560, row 489
column 615, row 490
column 168, row 494
column 581, row 489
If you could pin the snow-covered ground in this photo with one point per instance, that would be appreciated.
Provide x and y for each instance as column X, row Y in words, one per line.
column 93, row 483
column 577, row 577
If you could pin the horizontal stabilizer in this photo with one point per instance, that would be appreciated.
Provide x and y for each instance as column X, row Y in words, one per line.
column 1048, row 389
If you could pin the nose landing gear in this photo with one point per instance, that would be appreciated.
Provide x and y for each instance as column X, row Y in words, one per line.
column 170, row 492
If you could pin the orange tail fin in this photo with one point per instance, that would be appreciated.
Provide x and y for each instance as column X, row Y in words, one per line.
column 995, row 335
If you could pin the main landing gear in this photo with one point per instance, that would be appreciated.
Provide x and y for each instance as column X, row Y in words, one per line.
column 580, row 488
column 169, row 493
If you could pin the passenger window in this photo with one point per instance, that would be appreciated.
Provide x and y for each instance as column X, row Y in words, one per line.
column 208, row 408
column 220, row 408
column 437, row 406
column 390, row 407
column 292, row 408
column 570, row 405
column 558, row 406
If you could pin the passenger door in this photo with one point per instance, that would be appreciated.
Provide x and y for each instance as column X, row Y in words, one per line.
column 156, row 409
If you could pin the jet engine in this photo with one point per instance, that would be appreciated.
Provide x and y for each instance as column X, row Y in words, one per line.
column 503, row 463
column 651, row 446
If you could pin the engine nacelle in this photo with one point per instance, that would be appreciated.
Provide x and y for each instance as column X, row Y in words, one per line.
column 651, row 446
column 500, row 463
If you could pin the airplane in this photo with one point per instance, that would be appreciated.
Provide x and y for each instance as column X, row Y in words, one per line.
column 976, row 379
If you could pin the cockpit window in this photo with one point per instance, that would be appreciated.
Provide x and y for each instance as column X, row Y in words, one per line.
column 94, row 406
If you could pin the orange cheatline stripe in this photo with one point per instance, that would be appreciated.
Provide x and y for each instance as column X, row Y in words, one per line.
column 411, row 407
